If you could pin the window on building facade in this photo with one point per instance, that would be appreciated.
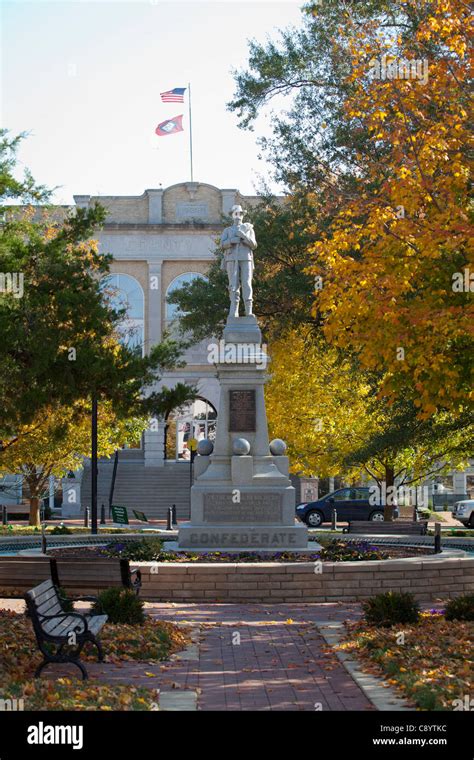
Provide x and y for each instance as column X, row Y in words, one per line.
column 125, row 293
column 173, row 312
column 444, row 483
column 195, row 420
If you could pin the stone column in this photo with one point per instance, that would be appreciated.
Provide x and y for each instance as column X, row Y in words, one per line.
column 154, row 444
column 154, row 303
column 459, row 483
column 153, row 438
column 155, row 206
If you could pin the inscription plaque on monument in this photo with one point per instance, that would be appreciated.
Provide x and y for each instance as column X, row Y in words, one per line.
column 253, row 508
column 242, row 416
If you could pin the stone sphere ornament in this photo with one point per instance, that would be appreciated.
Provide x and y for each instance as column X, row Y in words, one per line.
column 277, row 447
column 205, row 447
column 240, row 447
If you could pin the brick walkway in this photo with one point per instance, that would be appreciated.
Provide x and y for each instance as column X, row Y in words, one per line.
column 249, row 657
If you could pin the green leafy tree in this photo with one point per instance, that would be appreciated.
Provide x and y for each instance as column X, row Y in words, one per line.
column 59, row 334
column 283, row 288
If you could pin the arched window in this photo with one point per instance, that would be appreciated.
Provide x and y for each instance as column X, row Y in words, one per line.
column 195, row 420
column 125, row 292
column 172, row 310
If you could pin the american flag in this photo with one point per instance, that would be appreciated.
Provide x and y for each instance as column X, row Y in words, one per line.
column 173, row 96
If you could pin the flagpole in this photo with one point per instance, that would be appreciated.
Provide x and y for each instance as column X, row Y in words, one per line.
column 190, row 132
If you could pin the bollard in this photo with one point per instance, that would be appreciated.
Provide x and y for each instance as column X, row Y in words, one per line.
column 174, row 518
column 102, row 514
column 334, row 519
column 169, row 519
column 437, row 538
column 86, row 517
column 43, row 539
column 4, row 515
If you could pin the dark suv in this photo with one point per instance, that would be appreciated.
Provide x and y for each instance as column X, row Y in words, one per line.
column 350, row 504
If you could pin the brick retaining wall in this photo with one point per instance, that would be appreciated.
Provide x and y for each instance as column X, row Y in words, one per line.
column 266, row 582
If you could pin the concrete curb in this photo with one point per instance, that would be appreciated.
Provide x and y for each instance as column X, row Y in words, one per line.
column 178, row 700
column 382, row 695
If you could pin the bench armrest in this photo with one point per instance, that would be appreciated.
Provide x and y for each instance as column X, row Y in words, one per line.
column 137, row 581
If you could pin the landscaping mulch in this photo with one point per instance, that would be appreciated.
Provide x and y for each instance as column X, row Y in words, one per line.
column 154, row 641
column 376, row 552
column 432, row 664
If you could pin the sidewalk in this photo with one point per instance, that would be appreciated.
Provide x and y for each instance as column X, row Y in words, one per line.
column 248, row 657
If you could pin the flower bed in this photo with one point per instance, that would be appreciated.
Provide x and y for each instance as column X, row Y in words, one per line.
column 332, row 551
column 433, row 667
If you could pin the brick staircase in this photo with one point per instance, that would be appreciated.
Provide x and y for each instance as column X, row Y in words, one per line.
column 150, row 489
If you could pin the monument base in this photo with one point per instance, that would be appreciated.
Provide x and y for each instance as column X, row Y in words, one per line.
column 311, row 547
column 243, row 537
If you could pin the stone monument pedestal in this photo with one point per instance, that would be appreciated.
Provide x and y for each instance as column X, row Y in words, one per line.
column 242, row 497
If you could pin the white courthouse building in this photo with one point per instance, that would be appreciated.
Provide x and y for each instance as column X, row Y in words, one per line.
column 160, row 240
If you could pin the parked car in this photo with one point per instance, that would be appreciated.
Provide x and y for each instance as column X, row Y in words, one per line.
column 464, row 512
column 350, row 504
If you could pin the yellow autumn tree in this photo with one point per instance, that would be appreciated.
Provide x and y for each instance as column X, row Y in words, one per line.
column 336, row 422
column 397, row 261
column 57, row 442
column 317, row 403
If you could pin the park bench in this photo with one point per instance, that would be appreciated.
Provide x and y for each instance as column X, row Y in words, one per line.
column 17, row 574
column 94, row 573
column 60, row 634
column 19, row 511
column 91, row 575
column 400, row 527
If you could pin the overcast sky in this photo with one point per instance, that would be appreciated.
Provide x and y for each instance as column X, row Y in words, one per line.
column 84, row 78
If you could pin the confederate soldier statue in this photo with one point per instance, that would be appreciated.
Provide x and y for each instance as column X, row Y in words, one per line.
column 238, row 243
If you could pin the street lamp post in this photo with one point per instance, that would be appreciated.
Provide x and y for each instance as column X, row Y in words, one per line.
column 94, row 465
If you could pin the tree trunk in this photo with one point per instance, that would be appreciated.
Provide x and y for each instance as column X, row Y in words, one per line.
column 35, row 511
column 389, row 494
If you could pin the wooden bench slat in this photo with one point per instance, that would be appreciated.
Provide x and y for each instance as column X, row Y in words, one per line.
column 96, row 623
column 41, row 589
column 402, row 527
column 50, row 608
column 60, row 626
column 96, row 573
column 16, row 557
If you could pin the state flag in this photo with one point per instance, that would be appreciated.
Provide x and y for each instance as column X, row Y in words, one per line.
column 170, row 126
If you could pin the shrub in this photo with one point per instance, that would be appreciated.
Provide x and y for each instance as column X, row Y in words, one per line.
column 61, row 530
column 137, row 551
column 121, row 605
column 461, row 608
column 391, row 608
column 66, row 603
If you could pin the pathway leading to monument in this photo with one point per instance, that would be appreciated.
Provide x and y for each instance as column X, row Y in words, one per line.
column 264, row 657
column 247, row 657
